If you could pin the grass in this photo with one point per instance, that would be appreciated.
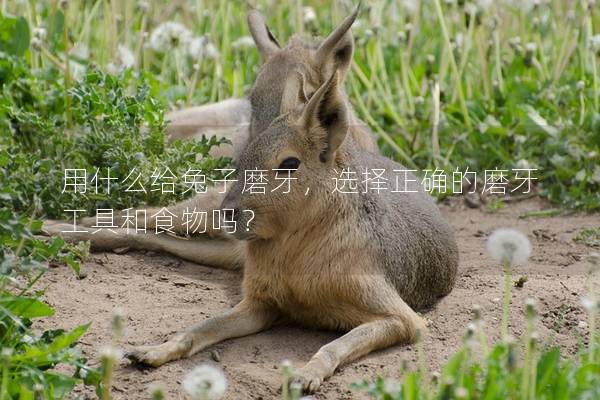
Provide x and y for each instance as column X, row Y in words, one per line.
column 444, row 84
column 588, row 236
column 518, row 86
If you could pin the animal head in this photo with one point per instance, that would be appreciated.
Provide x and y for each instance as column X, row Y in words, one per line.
column 290, row 75
column 304, row 145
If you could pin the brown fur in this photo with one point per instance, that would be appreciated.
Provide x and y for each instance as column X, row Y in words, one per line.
column 352, row 263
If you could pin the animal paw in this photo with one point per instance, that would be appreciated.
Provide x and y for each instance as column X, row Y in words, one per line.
column 307, row 380
column 153, row 356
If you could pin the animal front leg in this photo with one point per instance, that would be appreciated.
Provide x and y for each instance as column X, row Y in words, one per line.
column 358, row 342
column 246, row 318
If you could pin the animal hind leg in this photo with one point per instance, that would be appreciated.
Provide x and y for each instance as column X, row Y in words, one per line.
column 220, row 253
column 208, row 203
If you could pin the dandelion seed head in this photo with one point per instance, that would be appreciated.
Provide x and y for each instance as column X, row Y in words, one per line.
column 205, row 382
column 523, row 164
column 594, row 260
column 170, row 36
column 143, row 5
column 6, row 352
column 590, row 304
column 461, row 393
column 212, row 53
column 196, row 48
column 156, row 390
column 470, row 9
column 243, row 43
column 125, row 59
column 484, row 5
column 40, row 33
column 111, row 353
column 508, row 246
column 525, row 5
column 80, row 51
column 530, row 308
column 392, row 387
column 309, row 15
column 295, row 388
column 595, row 43
column 77, row 69
column 530, row 47
column 36, row 44
column 534, row 337
column 410, row 6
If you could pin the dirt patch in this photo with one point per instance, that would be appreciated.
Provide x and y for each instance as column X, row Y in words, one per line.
column 162, row 295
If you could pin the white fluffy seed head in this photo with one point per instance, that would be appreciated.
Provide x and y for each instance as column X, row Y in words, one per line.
column 169, row 36
column 286, row 365
column 309, row 15
column 196, row 48
column 205, row 382
column 509, row 246
column 243, row 43
column 530, row 47
column 590, row 304
column 156, row 390
column 530, row 309
column 593, row 260
column 410, row 6
column 595, row 42
column 461, row 393
column 40, row 33
column 111, row 353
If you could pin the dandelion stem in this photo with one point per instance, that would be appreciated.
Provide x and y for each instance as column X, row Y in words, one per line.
column 581, row 107
column 4, row 390
column 498, row 61
column 592, row 339
column 506, row 302
column 594, row 71
column 461, row 95
column 67, row 68
column 533, row 374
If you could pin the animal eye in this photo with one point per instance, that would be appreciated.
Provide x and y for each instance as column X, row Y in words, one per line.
column 290, row 163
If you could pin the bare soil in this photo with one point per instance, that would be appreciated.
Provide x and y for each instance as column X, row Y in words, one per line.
column 161, row 295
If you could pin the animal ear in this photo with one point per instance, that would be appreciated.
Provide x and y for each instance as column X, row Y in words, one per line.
column 327, row 112
column 265, row 41
column 293, row 92
column 338, row 48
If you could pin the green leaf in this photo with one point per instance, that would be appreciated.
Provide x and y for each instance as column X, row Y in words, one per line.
column 25, row 307
column 56, row 27
column 60, row 384
column 548, row 366
column 20, row 40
